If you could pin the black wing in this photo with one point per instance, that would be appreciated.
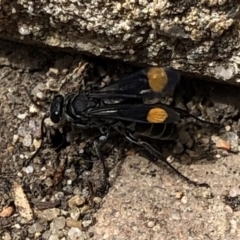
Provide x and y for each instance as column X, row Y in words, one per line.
column 153, row 80
column 157, row 113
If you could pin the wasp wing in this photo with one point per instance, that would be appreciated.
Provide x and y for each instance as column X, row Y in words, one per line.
column 154, row 80
column 143, row 113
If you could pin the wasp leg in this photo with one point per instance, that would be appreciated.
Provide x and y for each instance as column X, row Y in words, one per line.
column 155, row 153
column 43, row 134
column 99, row 155
column 33, row 101
column 97, row 144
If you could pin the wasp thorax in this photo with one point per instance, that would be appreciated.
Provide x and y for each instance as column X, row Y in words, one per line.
column 56, row 108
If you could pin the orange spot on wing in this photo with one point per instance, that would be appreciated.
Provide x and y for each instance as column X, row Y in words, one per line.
column 157, row 78
column 157, row 115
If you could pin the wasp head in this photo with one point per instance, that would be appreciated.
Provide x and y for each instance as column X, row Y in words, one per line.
column 56, row 108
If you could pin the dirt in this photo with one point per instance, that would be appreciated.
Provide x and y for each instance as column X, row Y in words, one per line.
column 67, row 190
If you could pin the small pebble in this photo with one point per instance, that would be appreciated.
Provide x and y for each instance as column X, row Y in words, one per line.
column 222, row 144
column 6, row 212
column 15, row 138
column 234, row 191
column 69, row 182
column 36, row 143
column 97, row 199
column 75, row 213
column 40, row 95
column 184, row 200
column 19, row 174
column 103, row 138
column 7, row 236
column 215, row 138
column 228, row 209
column 54, row 71
column 73, row 223
column 81, row 151
column 54, row 237
column 13, row 98
column 74, row 233
column 48, row 181
column 46, row 235
column 176, row 216
column 224, row 153
column 32, row 126
column 22, row 116
column 21, row 131
column 156, row 228
column 43, row 169
column 228, row 128
column 84, row 209
column 27, row 141
column 37, row 235
column 10, row 149
column 48, row 214
column 170, row 159
column 33, row 109
column 48, row 122
column 76, row 201
column 36, row 227
column 17, row 226
column 86, row 223
column 85, row 191
column 58, row 223
column 233, row 140
column 150, row 224
column 59, row 195
column 179, row 195
column 29, row 169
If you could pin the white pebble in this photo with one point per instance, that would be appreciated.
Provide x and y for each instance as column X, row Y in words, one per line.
column 15, row 138
column 33, row 109
column 22, row 116
column 29, row 169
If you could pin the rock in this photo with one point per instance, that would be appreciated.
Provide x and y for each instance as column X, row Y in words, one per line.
column 222, row 144
column 171, row 33
column 27, row 141
column 76, row 201
column 48, row 214
column 36, row 227
column 58, row 223
column 74, row 233
column 73, row 223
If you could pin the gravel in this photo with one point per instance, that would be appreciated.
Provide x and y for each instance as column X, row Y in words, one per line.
column 67, row 192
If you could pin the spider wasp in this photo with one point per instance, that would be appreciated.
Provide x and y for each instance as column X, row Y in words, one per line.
column 121, row 106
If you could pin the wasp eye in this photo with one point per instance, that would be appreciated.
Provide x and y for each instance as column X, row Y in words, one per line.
column 56, row 108
column 55, row 117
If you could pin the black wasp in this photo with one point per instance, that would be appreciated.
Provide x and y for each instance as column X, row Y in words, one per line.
column 121, row 106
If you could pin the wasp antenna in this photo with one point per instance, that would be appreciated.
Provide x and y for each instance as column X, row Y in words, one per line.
column 33, row 101
column 43, row 134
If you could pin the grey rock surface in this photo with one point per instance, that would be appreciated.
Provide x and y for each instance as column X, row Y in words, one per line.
column 140, row 206
column 200, row 37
